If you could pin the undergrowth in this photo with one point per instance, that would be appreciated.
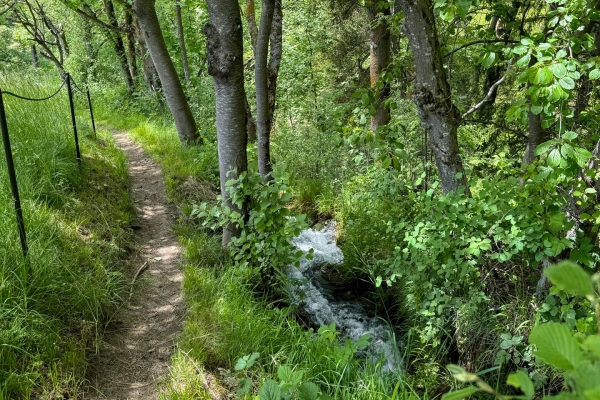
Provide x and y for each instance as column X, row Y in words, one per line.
column 54, row 305
column 228, row 317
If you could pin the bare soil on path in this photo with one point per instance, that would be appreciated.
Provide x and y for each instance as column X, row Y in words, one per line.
column 136, row 352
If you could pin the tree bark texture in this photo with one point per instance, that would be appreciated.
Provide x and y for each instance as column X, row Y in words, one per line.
column 150, row 75
column 276, row 52
column 181, row 38
column 438, row 115
column 119, row 46
column 225, row 64
column 176, row 100
column 534, row 138
column 380, row 50
column 263, row 122
column 130, row 45
column 251, row 20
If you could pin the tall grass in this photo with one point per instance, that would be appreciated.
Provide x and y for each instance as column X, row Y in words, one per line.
column 52, row 305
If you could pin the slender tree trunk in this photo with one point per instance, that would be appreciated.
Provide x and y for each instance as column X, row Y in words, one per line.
column 118, row 45
column 276, row 51
column 380, row 48
column 150, row 75
column 34, row 57
column 225, row 64
column 130, row 44
column 251, row 19
column 176, row 100
column 181, row 38
column 263, row 122
column 534, row 138
column 438, row 115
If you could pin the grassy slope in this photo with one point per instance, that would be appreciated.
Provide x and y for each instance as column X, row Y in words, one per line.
column 77, row 225
column 226, row 320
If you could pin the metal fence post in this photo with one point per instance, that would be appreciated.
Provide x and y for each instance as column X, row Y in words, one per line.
column 91, row 112
column 71, row 104
column 13, row 177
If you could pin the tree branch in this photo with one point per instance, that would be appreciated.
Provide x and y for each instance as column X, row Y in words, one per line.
column 481, row 41
column 489, row 94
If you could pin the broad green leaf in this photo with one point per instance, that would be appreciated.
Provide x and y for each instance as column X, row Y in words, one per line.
column 554, row 158
column 308, row 391
column 555, row 345
column 460, row 394
column 586, row 375
column 520, row 380
column 567, row 83
column 559, row 70
column 570, row 135
column 571, row 278
column 488, row 59
column 246, row 361
column 543, row 76
column 270, row 391
column 537, row 109
column 544, row 147
column 594, row 74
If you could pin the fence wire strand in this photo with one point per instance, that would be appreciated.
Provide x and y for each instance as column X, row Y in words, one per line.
column 32, row 99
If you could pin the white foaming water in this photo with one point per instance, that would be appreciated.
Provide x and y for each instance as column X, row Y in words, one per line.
column 319, row 304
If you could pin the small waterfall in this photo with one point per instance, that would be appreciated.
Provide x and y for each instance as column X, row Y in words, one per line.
column 319, row 304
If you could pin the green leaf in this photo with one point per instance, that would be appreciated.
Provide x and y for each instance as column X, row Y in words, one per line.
column 308, row 391
column 520, row 380
column 554, row 158
column 592, row 394
column 270, row 391
column 567, row 83
column 537, row 109
column 460, row 374
column 569, row 135
column 543, row 76
column 571, row 278
column 594, row 74
column 559, row 70
column 555, row 345
column 246, row 361
column 488, row 59
column 544, row 147
column 460, row 394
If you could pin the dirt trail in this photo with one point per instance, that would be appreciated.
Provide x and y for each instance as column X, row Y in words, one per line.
column 137, row 348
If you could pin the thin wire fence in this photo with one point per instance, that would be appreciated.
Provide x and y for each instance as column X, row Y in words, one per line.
column 70, row 84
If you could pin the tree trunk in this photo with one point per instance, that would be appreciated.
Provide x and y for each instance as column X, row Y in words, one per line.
column 181, row 38
column 438, row 115
column 119, row 46
column 534, row 138
column 251, row 19
column 263, row 122
column 225, row 64
column 380, row 47
column 276, row 51
column 150, row 75
column 176, row 100
column 130, row 44
column 34, row 57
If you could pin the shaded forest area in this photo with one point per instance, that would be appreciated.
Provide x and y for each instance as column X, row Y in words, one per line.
column 454, row 143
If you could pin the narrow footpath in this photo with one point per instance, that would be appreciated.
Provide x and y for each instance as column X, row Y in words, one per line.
column 136, row 352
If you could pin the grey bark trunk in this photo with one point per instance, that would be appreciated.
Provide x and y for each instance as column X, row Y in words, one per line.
column 276, row 51
column 263, row 122
column 534, row 138
column 150, row 74
column 438, row 115
column 119, row 46
column 181, row 38
column 225, row 64
column 380, row 48
column 176, row 100
column 130, row 45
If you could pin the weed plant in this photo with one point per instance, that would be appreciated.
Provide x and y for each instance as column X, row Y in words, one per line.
column 54, row 304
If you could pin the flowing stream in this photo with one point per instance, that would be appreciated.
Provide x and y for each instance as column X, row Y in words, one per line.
column 319, row 304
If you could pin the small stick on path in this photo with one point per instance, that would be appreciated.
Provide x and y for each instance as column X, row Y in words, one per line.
column 140, row 271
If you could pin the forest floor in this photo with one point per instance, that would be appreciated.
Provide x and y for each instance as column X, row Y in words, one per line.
column 135, row 354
